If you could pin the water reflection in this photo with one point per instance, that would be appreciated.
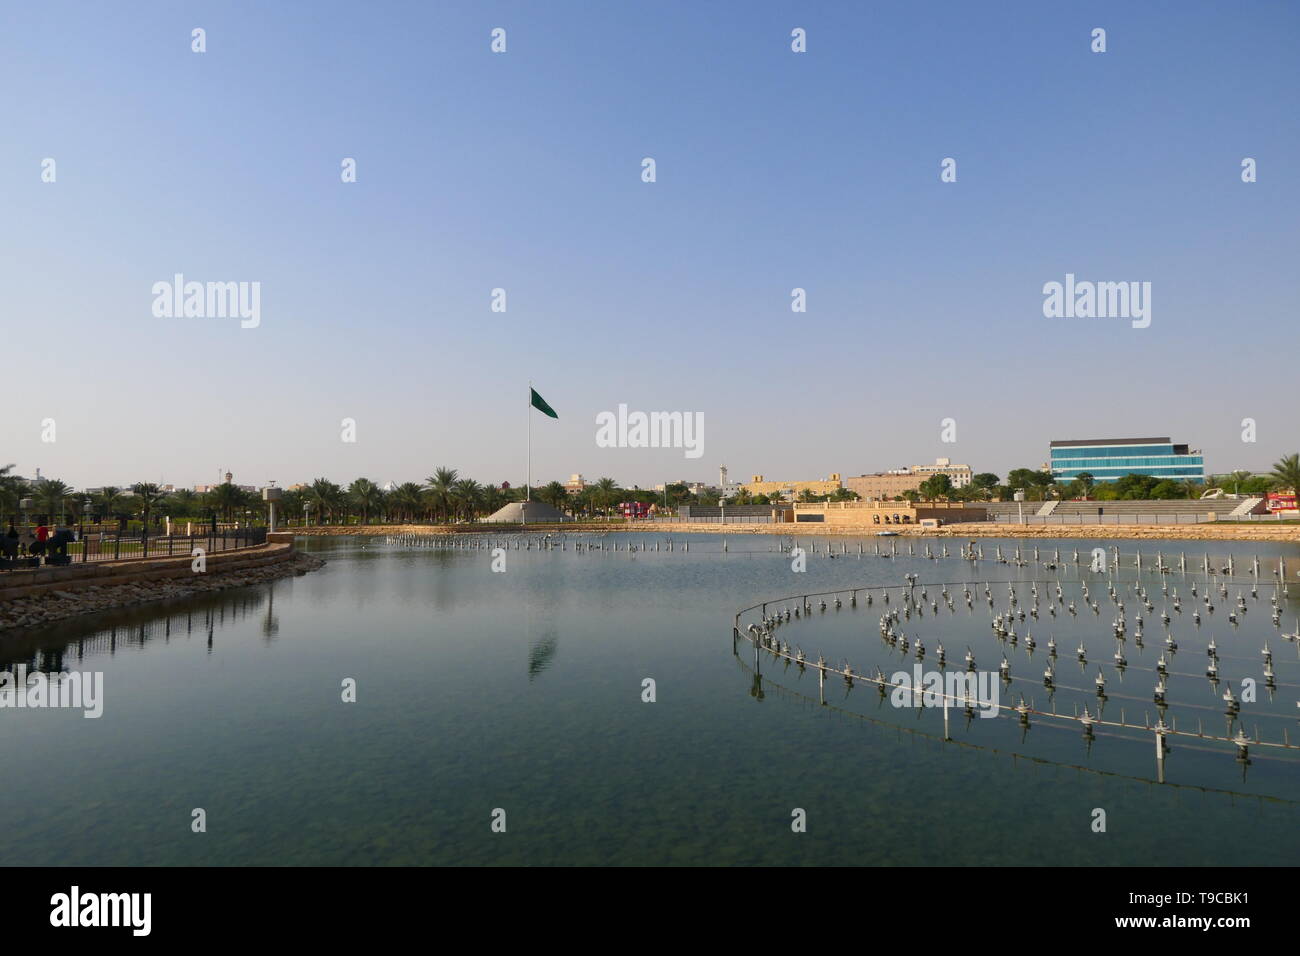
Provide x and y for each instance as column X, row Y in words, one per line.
column 541, row 654
column 58, row 647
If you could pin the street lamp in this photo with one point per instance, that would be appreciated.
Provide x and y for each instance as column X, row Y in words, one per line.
column 271, row 495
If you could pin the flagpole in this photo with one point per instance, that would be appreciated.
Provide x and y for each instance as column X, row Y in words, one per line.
column 528, row 480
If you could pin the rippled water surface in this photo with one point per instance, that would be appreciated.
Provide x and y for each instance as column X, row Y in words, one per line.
column 523, row 691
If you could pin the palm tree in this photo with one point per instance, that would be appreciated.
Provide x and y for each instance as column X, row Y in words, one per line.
column 224, row 499
column 109, row 500
column 11, row 491
column 147, row 496
column 407, row 498
column 554, row 495
column 291, row 502
column 440, row 491
column 365, row 494
column 325, row 497
column 604, row 493
column 183, row 503
column 493, row 498
column 1236, row 477
column 744, row 497
column 1286, row 473
column 50, row 497
column 466, row 494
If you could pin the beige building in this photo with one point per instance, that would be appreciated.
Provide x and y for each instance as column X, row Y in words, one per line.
column 870, row 514
column 883, row 486
column 575, row 485
column 961, row 475
column 888, row 485
column 758, row 485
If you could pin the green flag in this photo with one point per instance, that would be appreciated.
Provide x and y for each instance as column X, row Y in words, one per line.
column 539, row 403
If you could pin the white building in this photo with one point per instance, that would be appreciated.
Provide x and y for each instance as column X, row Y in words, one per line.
column 960, row 475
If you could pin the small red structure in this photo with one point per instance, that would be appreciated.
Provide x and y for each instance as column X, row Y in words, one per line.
column 1281, row 501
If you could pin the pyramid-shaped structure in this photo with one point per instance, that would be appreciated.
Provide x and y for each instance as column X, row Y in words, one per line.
column 526, row 512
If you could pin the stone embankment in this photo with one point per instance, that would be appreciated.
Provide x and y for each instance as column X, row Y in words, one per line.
column 1208, row 531
column 30, row 602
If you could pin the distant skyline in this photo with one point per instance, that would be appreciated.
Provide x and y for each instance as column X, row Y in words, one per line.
column 522, row 171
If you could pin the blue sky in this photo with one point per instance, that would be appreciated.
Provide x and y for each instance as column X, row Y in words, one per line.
column 522, row 171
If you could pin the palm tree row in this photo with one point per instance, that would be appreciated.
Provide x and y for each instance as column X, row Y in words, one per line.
column 442, row 497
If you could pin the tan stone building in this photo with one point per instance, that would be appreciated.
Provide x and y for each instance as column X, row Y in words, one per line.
column 873, row 514
column 883, row 486
column 888, row 485
column 757, row 485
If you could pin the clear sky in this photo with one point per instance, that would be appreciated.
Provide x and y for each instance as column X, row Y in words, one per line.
column 522, row 170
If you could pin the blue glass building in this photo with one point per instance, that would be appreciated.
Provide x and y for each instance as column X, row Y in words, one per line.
column 1109, row 459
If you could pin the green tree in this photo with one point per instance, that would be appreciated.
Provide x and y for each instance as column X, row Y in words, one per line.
column 11, row 491
column 493, row 499
column 51, row 495
column 606, row 493
column 407, row 499
column 441, row 496
column 465, row 495
column 554, row 495
column 1232, row 481
column 325, row 498
column 1166, row 490
column 182, row 503
column 1285, row 475
column 109, row 501
column 224, row 499
column 147, row 496
column 1031, row 480
column 936, row 486
column 366, row 496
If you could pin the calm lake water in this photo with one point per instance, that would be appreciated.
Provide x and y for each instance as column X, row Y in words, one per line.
column 523, row 691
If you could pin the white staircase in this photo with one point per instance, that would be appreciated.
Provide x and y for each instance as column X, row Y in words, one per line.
column 1246, row 507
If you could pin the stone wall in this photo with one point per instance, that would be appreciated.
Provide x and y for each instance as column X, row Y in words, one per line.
column 74, row 577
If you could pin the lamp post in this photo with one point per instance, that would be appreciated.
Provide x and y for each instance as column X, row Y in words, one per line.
column 306, row 506
column 271, row 494
column 1019, row 498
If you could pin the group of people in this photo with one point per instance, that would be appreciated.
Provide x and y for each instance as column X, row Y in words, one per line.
column 33, row 543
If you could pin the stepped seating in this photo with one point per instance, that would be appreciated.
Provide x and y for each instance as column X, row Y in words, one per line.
column 1178, row 506
column 1064, row 510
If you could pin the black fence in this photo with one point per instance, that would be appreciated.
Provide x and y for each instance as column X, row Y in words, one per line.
column 78, row 547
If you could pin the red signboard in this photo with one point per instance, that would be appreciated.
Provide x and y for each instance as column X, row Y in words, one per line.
column 1281, row 501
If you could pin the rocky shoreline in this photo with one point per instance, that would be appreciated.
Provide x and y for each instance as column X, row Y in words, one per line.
column 56, row 605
